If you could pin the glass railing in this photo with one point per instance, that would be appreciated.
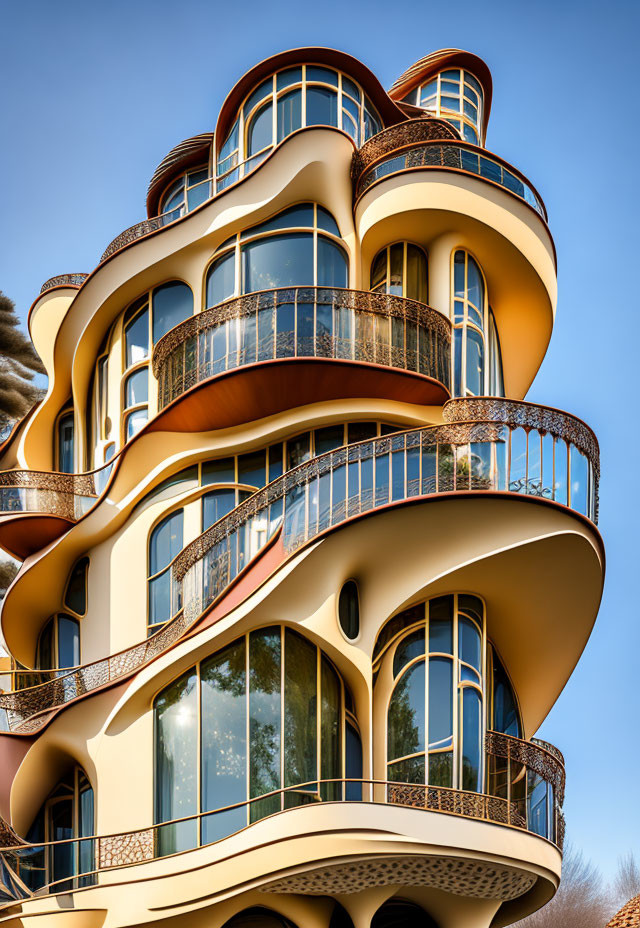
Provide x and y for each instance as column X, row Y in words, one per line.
column 62, row 866
column 486, row 445
column 458, row 156
column 303, row 322
column 68, row 496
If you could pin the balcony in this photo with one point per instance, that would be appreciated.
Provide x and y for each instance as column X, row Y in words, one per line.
column 486, row 445
column 61, row 866
column 37, row 506
column 409, row 147
column 63, row 280
column 399, row 337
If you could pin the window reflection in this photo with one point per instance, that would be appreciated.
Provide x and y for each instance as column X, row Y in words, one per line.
column 272, row 694
column 435, row 653
column 306, row 95
column 475, row 373
column 165, row 543
column 270, row 257
column 455, row 95
column 401, row 269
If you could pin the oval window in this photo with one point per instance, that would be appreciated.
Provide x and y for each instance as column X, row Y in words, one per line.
column 349, row 610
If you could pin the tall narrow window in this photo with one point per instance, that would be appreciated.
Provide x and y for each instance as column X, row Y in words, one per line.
column 434, row 719
column 165, row 544
column 470, row 306
column 66, row 443
column 401, row 269
column 136, row 351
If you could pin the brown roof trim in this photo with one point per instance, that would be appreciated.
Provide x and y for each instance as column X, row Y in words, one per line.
column 389, row 112
column 184, row 155
column 426, row 67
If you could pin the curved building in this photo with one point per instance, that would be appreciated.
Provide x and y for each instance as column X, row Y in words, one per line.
column 302, row 570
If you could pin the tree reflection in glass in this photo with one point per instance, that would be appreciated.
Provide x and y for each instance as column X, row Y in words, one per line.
column 264, row 719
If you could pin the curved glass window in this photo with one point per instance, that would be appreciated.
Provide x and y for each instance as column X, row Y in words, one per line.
column 401, row 269
column 66, row 431
column 505, row 716
column 171, row 304
column 435, row 724
column 306, row 95
column 270, row 712
column 185, row 193
column 297, row 247
column 136, row 332
column 475, row 372
column 455, row 95
column 349, row 609
column 67, row 813
column 165, row 543
column 59, row 644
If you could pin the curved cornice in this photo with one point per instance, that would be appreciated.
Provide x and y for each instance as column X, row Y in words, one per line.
column 389, row 111
column 426, row 67
column 186, row 154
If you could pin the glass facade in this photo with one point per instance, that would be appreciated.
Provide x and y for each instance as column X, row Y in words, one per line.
column 300, row 246
column 305, row 95
column 435, row 728
column 454, row 95
column 270, row 726
column 401, row 269
column 476, row 354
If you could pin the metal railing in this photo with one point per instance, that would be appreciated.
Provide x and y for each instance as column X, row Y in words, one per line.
column 515, row 455
column 458, row 156
column 68, row 496
column 62, row 866
column 63, row 280
column 303, row 322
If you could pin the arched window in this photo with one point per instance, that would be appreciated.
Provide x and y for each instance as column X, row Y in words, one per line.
column 185, row 193
column 300, row 246
column 435, row 717
column 66, row 443
column 67, row 813
column 401, row 269
column 455, row 95
column 58, row 647
column 505, row 715
column 476, row 370
column 305, row 95
column 145, row 322
column 165, row 543
column 271, row 711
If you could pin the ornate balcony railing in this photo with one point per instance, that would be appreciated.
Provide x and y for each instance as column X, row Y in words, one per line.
column 297, row 322
column 63, row 280
column 526, row 450
column 328, row 490
column 61, row 866
column 456, row 156
column 402, row 134
column 68, row 496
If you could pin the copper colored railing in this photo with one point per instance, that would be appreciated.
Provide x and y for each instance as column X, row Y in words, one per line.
column 36, row 869
column 457, row 156
column 63, row 280
column 559, row 463
column 309, row 322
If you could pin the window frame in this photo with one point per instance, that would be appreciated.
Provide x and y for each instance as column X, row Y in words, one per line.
column 244, row 163
column 241, row 238
column 433, row 103
column 387, row 248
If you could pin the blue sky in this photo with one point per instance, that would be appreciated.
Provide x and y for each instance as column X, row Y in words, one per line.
column 93, row 95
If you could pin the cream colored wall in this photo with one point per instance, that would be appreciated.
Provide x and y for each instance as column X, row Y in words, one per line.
column 510, row 240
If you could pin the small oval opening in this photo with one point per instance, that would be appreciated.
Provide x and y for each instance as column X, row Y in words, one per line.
column 349, row 610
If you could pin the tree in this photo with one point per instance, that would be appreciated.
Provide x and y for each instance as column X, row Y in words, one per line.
column 582, row 901
column 626, row 883
column 18, row 365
